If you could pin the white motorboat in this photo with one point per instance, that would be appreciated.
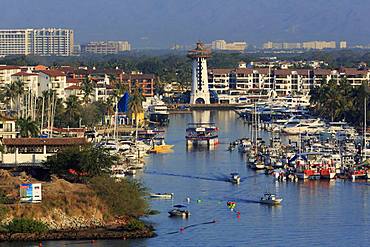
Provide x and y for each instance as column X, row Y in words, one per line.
column 234, row 178
column 166, row 196
column 270, row 199
column 304, row 126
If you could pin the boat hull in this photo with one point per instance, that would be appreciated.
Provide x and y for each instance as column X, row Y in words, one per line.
column 272, row 202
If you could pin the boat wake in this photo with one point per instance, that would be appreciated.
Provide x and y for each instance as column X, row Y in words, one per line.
column 190, row 226
column 181, row 175
column 219, row 178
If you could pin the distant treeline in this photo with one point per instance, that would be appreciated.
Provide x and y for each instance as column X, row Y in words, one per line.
column 175, row 66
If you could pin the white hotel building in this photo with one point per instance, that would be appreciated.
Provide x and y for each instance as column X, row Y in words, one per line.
column 42, row 42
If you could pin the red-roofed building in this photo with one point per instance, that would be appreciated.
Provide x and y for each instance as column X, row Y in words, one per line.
column 144, row 81
column 30, row 81
column 53, row 80
column 6, row 72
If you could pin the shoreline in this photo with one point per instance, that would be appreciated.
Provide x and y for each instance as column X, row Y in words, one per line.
column 82, row 234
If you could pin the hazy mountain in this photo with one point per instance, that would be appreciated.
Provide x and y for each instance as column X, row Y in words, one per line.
column 159, row 23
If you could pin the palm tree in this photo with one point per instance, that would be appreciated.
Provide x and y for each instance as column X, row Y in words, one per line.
column 73, row 111
column 8, row 95
column 27, row 127
column 135, row 105
column 18, row 91
column 87, row 88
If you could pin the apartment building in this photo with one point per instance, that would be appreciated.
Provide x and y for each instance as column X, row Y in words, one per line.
column 219, row 82
column 314, row 45
column 30, row 81
column 106, row 47
column 233, row 46
column 354, row 76
column 319, row 45
column 7, row 127
column 42, row 42
column 144, row 81
column 6, row 72
column 53, row 80
column 343, row 44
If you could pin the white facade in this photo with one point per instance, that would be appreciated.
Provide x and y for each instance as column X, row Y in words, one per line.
column 54, row 81
column 43, row 42
column 199, row 89
column 107, row 47
column 30, row 81
column 7, row 128
column 6, row 73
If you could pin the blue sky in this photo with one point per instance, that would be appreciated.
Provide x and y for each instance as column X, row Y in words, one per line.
column 160, row 23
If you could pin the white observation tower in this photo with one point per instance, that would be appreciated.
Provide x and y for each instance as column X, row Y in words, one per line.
column 199, row 87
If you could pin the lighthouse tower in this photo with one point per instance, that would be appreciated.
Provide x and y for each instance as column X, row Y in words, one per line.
column 199, row 88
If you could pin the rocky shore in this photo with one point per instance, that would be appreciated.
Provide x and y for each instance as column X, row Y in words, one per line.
column 82, row 234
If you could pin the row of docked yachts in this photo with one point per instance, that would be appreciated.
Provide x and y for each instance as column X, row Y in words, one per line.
column 313, row 156
column 131, row 151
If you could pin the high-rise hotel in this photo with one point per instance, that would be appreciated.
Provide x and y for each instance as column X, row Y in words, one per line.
column 42, row 42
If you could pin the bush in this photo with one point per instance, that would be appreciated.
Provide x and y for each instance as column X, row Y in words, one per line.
column 78, row 164
column 22, row 225
column 124, row 198
column 134, row 225
column 4, row 199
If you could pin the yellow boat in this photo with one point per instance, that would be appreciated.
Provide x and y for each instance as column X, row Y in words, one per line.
column 159, row 149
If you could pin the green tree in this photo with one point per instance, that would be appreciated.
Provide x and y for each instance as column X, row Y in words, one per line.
column 8, row 95
column 87, row 88
column 124, row 198
column 27, row 127
column 80, row 163
column 18, row 91
column 135, row 104
column 72, row 111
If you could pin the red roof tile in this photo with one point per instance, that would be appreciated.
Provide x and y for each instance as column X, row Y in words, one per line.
column 6, row 67
column 53, row 72
column 322, row 72
column 73, row 87
column 219, row 71
column 73, row 80
column 24, row 73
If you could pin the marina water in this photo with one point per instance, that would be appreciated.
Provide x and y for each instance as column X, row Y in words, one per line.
column 313, row 213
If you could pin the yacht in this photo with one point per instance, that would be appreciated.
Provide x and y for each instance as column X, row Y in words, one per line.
column 158, row 113
column 304, row 126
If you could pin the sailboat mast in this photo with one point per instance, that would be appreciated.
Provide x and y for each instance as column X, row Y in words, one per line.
column 364, row 149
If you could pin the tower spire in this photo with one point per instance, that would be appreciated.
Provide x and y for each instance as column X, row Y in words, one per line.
column 199, row 90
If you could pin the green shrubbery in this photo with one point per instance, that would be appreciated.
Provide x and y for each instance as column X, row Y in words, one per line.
column 134, row 225
column 85, row 162
column 22, row 225
column 4, row 199
column 124, row 198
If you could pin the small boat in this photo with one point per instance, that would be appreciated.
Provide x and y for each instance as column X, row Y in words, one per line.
column 166, row 196
column 270, row 199
column 179, row 211
column 164, row 148
column 234, row 178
